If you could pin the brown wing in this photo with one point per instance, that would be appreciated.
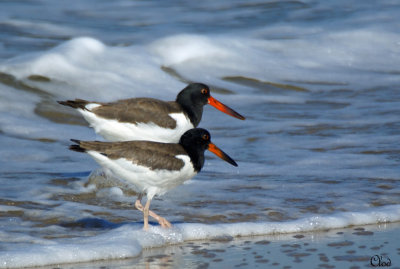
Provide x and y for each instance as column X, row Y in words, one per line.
column 140, row 110
column 153, row 155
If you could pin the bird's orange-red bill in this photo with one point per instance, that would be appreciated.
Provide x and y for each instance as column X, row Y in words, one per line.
column 221, row 107
column 214, row 149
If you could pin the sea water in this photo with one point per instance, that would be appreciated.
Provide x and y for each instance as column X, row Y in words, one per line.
column 318, row 82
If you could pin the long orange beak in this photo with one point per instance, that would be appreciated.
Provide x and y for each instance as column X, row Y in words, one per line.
column 221, row 107
column 214, row 149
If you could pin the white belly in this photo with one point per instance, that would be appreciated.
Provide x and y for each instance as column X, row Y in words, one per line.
column 112, row 130
column 145, row 180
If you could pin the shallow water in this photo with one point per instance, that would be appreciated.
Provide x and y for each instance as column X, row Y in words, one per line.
column 353, row 247
column 317, row 82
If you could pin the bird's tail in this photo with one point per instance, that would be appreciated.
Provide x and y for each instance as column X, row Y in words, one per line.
column 77, row 147
column 77, row 103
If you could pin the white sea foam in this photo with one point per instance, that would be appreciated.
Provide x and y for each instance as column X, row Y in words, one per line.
column 346, row 57
column 119, row 72
column 129, row 240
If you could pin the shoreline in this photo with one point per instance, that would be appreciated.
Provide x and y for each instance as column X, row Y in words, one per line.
column 351, row 247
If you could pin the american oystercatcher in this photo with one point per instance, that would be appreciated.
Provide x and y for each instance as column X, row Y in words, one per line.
column 147, row 118
column 151, row 167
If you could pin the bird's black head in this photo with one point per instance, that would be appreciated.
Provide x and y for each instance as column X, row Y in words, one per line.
column 196, row 141
column 196, row 138
column 192, row 99
column 195, row 96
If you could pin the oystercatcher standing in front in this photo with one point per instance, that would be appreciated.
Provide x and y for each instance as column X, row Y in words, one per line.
column 151, row 167
column 147, row 118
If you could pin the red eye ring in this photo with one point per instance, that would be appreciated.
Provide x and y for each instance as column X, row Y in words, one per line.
column 206, row 137
column 204, row 91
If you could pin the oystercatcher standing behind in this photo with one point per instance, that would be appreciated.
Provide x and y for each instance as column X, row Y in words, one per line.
column 147, row 118
column 151, row 167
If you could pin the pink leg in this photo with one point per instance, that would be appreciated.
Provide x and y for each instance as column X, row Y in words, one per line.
column 162, row 221
column 146, row 215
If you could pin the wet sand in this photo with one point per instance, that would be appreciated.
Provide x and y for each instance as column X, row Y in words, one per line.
column 354, row 247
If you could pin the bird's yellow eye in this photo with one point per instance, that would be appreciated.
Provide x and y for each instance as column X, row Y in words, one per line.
column 206, row 137
column 204, row 91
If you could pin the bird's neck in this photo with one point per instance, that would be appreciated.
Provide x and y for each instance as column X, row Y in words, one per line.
column 193, row 111
column 196, row 157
